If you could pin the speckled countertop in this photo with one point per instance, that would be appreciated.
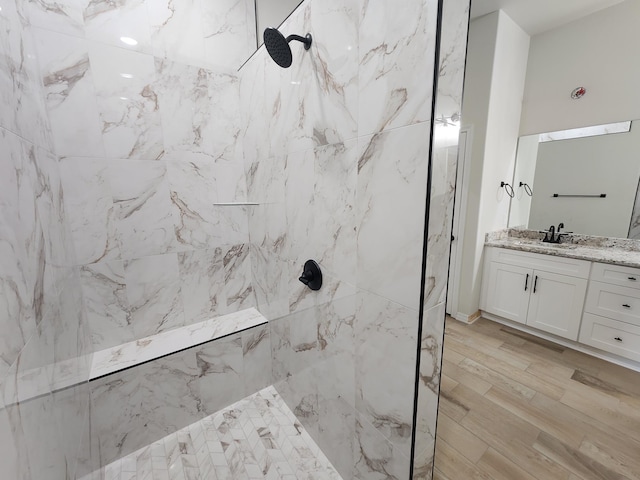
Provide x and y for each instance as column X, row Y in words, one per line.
column 617, row 251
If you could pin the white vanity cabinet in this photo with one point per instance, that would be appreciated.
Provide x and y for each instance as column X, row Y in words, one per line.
column 611, row 321
column 542, row 291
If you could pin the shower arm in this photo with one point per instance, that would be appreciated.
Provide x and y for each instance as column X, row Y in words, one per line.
column 306, row 40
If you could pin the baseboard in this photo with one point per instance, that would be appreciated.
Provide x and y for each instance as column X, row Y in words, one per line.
column 469, row 319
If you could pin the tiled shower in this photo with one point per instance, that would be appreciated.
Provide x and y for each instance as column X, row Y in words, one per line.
column 160, row 196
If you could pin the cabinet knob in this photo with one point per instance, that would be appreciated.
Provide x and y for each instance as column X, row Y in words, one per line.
column 617, row 339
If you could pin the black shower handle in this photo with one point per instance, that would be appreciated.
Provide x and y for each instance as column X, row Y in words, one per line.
column 311, row 275
column 306, row 277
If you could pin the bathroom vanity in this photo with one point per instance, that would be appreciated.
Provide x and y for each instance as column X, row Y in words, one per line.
column 584, row 293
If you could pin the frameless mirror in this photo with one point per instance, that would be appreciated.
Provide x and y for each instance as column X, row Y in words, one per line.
column 234, row 28
column 586, row 178
column 271, row 13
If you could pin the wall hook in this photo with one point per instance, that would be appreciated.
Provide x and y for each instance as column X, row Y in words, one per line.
column 527, row 189
column 507, row 188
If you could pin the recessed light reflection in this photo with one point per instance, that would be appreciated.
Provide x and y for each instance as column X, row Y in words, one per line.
column 126, row 75
column 124, row 98
column 129, row 41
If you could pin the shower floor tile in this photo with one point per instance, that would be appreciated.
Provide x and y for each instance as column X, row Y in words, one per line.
column 258, row 438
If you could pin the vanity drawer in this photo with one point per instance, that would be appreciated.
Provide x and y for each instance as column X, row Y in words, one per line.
column 611, row 336
column 613, row 301
column 547, row 263
column 617, row 275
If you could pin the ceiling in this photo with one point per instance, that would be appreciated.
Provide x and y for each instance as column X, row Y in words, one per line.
column 540, row 15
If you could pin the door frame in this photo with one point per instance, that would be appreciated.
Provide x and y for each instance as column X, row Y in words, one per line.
column 459, row 218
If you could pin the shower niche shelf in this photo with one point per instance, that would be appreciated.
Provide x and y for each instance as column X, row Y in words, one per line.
column 36, row 382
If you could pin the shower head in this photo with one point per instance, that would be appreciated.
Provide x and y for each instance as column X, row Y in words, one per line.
column 278, row 46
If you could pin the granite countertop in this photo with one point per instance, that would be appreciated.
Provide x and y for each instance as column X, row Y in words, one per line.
column 614, row 251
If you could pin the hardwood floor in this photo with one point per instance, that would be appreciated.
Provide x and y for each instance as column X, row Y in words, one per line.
column 513, row 406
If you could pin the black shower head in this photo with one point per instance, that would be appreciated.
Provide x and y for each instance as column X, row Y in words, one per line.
column 278, row 46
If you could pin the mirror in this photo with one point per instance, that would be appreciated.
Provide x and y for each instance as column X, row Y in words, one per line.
column 586, row 178
column 233, row 29
column 271, row 13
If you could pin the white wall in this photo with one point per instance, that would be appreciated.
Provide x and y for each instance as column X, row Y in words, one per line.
column 592, row 165
column 494, row 83
column 599, row 52
column 525, row 170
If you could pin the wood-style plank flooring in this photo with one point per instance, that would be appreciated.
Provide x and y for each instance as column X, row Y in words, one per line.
column 513, row 406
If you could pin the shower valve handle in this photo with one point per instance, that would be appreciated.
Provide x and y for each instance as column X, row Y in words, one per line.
column 311, row 275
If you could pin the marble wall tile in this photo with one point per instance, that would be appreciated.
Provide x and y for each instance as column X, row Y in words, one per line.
column 8, row 444
column 254, row 117
column 300, row 392
column 70, row 329
column 224, row 90
column 202, row 283
column 32, row 429
column 229, row 31
column 23, row 111
column 396, row 54
column 41, row 309
column 313, row 366
column 177, row 30
column 51, row 210
column 335, row 373
column 135, row 407
column 106, row 305
column 91, row 211
column 22, row 249
column 428, row 387
column 335, row 173
column 268, row 228
column 337, row 432
column 231, row 182
column 443, row 185
column 270, row 277
column 144, row 216
column 58, row 17
column 385, row 346
column 186, row 106
column 237, row 278
column 107, row 22
column 127, row 98
column 221, row 369
column 70, row 94
column 154, row 294
column 256, row 358
column 193, row 191
column 376, row 457
column 315, row 101
column 266, row 178
column 391, row 197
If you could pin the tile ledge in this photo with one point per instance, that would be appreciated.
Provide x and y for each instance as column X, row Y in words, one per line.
column 41, row 381
column 127, row 355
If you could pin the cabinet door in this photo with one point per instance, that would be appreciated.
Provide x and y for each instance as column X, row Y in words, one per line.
column 556, row 304
column 507, row 291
